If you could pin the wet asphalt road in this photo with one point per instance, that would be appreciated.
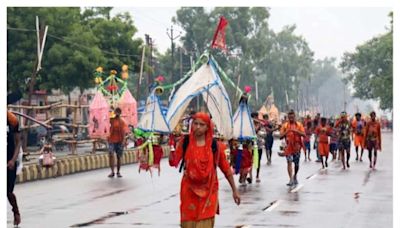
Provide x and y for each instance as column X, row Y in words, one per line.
column 330, row 198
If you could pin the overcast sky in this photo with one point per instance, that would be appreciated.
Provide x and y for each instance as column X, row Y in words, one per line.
column 329, row 31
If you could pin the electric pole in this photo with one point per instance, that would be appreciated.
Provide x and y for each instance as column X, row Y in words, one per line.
column 149, row 43
column 171, row 36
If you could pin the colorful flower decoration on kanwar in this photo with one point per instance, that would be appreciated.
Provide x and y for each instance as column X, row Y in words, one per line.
column 113, row 85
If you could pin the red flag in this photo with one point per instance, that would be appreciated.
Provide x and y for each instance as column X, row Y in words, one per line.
column 219, row 35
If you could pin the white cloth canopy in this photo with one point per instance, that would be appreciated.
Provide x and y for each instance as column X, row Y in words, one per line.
column 206, row 82
column 152, row 118
column 243, row 127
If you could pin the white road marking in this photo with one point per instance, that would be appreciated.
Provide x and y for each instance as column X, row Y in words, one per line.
column 273, row 206
column 297, row 188
column 312, row 176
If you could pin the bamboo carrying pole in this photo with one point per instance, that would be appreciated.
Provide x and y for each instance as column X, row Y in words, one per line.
column 75, row 125
column 55, row 105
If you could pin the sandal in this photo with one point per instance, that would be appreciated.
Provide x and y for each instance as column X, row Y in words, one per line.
column 249, row 180
column 111, row 175
column 119, row 175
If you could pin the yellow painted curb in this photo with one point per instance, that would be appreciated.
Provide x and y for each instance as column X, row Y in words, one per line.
column 70, row 165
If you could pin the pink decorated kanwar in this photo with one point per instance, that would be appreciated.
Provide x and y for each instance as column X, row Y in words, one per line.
column 127, row 104
column 99, row 117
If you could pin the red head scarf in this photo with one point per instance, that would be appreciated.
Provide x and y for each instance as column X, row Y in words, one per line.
column 210, row 131
column 200, row 171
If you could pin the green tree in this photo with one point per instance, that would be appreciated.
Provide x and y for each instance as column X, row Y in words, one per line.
column 77, row 42
column 370, row 69
column 254, row 51
column 22, row 41
column 288, row 60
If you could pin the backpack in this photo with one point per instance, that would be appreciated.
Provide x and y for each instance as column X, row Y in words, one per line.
column 214, row 148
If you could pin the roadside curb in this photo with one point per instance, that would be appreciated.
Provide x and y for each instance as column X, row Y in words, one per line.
column 70, row 165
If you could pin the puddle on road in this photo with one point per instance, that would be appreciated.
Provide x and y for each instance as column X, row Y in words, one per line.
column 256, row 198
column 140, row 224
column 263, row 225
column 293, row 197
column 367, row 177
column 289, row 213
column 323, row 172
column 77, row 203
column 101, row 219
column 110, row 193
column 314, row 193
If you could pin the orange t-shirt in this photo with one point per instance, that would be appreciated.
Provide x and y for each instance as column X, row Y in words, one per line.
column 293, row 140
column 323, row 133
column 118, row 130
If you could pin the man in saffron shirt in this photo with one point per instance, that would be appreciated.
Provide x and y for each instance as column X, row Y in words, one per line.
column 307, row 139
column 333, row 140
column 373, row 139
column 116, row 141
column 199, row 186
column 292, row 131
column 323, row 132
column 358, row 126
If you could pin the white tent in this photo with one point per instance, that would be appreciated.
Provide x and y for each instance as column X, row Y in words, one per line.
column 206, row 82
column 152, row 118
column 243, row 127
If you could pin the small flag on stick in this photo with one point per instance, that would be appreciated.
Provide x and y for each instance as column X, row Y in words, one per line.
column 219, row 35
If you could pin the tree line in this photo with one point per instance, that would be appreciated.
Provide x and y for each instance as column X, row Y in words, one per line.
column 80, row 39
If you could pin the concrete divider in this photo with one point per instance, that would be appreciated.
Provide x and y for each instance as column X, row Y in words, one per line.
column 80, row 163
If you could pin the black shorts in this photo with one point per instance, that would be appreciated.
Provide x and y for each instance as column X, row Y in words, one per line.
column 294, row 158
column 344, row 145
column 332, row 147
column 118, row 148
column 307, row 145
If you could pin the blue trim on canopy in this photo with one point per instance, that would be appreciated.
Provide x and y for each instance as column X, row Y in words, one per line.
column 224, row 93
column 205, row 88
column 243, row 107
column 155, row 100
column 216, row 82
column 241, row 119
column 250, row 119
column 190, row 97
